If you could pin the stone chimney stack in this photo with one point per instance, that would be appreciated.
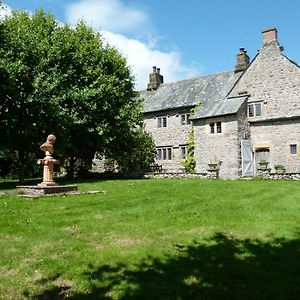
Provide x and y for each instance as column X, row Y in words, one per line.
column 155, row 79
column 242, row 61
column 269, row 35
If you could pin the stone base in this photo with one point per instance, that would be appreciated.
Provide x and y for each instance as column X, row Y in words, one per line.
column 34, row 190
column 47, row 183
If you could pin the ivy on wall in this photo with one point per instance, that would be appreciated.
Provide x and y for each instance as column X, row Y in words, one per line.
column 190, row 163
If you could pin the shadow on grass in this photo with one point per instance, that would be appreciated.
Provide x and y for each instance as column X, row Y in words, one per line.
column 220, row 268
column 11, row 184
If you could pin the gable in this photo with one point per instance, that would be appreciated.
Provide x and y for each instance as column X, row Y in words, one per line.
column 273, row 80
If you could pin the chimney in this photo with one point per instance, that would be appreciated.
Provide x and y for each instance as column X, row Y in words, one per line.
column 155, row 79
column 269, row 35
column 242, row 61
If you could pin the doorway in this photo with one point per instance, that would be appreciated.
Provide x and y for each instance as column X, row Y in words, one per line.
column 261, row 154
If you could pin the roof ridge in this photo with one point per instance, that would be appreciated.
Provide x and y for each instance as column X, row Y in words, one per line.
column 193, row 78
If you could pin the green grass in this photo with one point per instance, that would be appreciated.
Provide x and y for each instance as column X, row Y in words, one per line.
column 153, row 239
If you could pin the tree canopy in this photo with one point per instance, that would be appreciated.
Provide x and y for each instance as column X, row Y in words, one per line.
column 67, row 81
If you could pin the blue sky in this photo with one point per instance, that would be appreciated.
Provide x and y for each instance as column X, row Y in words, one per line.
column 184, row 38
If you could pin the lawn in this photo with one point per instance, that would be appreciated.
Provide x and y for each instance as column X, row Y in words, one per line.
column 153, row 239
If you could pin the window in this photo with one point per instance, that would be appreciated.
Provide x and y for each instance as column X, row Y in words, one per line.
column 185, row 119
column 219, row 127
column 293, row 148
column 162, row 122
column 254, row 110
column 184, row 152
column 164, row 153
column 215, row 127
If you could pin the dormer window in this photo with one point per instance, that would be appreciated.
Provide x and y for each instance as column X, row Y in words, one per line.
column 185, row 119
column 215, row 127
column 254, row 110
column 162, row 122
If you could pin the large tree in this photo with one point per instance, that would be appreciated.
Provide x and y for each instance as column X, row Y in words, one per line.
column 66, row 81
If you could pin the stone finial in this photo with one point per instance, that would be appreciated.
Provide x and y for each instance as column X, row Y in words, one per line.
column 242, row 61
column 155, row 79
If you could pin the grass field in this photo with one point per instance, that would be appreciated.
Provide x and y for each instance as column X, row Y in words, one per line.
column 153, row 239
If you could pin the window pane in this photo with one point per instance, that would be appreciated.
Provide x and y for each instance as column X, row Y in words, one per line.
column 159, row 154
column 158, row 122
column 164, row 121
column 183, row 152
column 293, row 149
column 183, row 119
column 258, row 109
column 250, row 110
column 164, row 153
column 219, row 127
column 212, row 127
column 188, row 121
column 169, row 153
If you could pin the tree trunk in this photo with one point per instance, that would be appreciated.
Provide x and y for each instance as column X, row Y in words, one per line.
column 71, row 167
column 21, row 163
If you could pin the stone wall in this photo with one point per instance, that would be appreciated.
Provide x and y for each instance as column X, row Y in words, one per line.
column 222, row 147
column 266, row 174
column 174, row 136
column 277, row 136
column 208, row 175
column 273, row 80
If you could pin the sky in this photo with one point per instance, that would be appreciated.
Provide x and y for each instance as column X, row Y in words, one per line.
column 183, row 38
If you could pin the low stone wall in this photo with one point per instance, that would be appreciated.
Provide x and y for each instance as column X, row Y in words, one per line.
column 209, row 175
column 266, row 174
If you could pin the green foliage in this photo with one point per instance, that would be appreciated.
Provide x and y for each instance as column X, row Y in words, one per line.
column 279, row 167
column 194, row 109
column 66, row 81
column 190, row 162
column 138, row 151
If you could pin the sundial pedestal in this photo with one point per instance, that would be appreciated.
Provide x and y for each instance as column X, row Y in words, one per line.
column 47, row 186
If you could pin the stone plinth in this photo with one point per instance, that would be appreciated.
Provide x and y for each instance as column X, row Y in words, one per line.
column 33, row 190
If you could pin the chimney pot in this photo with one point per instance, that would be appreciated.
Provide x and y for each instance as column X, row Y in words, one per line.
column 242, row 61
column 155, row 79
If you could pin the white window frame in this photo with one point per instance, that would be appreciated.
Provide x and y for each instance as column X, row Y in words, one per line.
column 255, row 111
column 184, row 151
column 185, row 119
column 164, row 153
column 162, row 122
column 293, row 149
column 215, row 127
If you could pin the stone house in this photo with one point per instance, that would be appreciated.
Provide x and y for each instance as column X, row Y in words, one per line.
column 240, row 117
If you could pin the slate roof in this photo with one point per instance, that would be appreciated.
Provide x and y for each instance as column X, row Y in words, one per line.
column 224, row 107
column 209, row 90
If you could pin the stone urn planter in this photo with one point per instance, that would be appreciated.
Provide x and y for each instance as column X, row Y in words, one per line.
column 263, row 164
column 279, row 169
column 213, row 166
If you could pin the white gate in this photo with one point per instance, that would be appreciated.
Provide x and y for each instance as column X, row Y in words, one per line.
column 247, row 158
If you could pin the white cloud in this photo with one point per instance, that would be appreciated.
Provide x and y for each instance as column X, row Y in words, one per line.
column 115, row 21
column 110, row 15
column 5, row 10
column 141, row 57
